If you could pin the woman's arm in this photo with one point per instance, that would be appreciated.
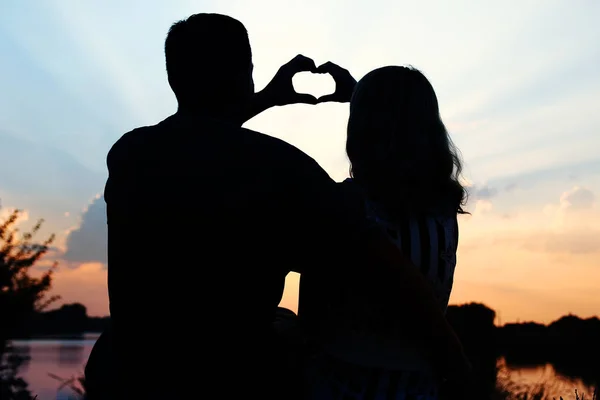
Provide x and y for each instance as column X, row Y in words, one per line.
column 413, row 301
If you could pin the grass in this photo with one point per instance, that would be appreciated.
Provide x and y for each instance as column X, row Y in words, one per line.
column 509, row 390
column 538, row 392
column 504, row 391
column 74, row 383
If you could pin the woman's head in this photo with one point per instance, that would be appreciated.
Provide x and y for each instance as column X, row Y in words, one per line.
column 398, row 146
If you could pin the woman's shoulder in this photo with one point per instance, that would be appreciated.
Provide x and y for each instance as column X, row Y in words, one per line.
column 350, row 185
column 351, row 191
column 443, row 214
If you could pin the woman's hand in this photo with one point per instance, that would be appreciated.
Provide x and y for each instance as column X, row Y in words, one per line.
column 344, row 83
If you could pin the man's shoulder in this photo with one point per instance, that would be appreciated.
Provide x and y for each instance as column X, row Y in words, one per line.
column 130, row 142
column 279, row 149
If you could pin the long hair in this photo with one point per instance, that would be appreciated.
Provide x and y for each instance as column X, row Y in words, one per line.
column 399, row 149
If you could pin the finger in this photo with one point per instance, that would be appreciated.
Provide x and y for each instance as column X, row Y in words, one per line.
column 329, row 68
column 324, row 68
column 302, row 63
column 327, row 98
column 305, row 99
column 307, row 63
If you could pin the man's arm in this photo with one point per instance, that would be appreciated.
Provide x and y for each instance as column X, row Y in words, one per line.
column 261, row 101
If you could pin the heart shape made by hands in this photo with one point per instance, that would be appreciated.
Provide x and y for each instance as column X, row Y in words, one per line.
column 317, row 84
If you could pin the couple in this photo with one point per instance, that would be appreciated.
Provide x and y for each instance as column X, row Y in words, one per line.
column 206, row 219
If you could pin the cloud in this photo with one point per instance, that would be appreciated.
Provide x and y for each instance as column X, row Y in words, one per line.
column 578, row 198
column 583, row 241
column 509, row 118
column 88, row 242
column 567, row 226
column 86, row 284
column 575, row 211
column 485, row 192
column 6, row 212
column 45, row 181
column 573, row 225
column 483, row 207
column 547, row 258
column 40, row 170
column 480, row 197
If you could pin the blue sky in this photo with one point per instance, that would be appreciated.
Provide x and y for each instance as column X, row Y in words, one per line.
column 518, row 84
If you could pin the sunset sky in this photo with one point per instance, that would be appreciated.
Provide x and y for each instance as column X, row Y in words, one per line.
column 519, row 90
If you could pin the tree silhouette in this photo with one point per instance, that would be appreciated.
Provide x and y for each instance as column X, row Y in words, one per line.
column 21, row 296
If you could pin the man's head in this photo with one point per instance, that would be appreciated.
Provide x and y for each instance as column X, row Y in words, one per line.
column 209, row 63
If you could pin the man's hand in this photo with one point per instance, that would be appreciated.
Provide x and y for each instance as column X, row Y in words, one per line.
column 344, row 83
column 280, row 91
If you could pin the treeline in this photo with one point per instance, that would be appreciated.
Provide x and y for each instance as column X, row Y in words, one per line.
column 70, row 320
column 474, row 325
column 571, row 344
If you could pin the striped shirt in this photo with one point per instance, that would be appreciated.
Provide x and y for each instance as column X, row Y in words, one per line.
column 430, row 241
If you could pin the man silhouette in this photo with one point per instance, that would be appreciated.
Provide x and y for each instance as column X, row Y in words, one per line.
column 205, row 220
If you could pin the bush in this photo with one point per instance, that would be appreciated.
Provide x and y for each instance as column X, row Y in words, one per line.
column 21, row 296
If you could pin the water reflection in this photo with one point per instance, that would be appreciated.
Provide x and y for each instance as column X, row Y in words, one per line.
column 523, row 378
column 66, row 359
column 62, row 358
column 70, row 355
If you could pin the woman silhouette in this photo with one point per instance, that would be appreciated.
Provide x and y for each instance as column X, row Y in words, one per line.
column 406, row 169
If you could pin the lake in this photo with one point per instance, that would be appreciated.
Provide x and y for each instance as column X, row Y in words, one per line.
column 66, row 359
